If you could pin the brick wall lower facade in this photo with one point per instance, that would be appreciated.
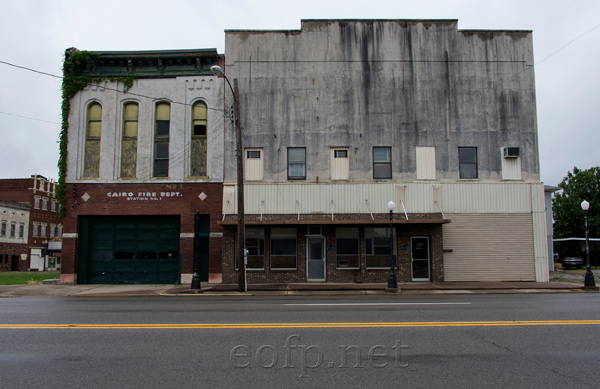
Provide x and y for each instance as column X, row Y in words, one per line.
column 14, row 257
column 404, row 232
column 184, row 200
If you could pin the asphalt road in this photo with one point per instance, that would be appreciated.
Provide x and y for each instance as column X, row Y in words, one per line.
column 498, row 341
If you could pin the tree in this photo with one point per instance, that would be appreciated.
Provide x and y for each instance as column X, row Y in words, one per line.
column 566, row 206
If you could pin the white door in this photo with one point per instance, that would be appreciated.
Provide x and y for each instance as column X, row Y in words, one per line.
column 315, row 259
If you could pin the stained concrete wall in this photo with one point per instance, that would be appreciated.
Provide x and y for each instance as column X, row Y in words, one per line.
column 399, row 83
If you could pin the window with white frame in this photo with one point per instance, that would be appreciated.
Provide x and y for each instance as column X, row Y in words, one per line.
column 3, row 228
column 296, row 163
column 43, row 231
column 13, row 229
column 21, row 230
column 45, row 204
column 377, row 248
column 36, row 202
column 382, row 162
column 36, row 230
column 53, row 206
column 283, row 248
column 52, row 231
column 91, row 163
column 59, row 231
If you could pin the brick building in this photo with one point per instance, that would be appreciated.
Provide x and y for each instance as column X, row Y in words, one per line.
column 142, row 165
column 14, row 226
column 44, row 224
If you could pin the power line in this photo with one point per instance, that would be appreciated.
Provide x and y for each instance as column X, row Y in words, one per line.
column 27, row 117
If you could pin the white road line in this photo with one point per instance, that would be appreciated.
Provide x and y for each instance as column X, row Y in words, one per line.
column 341, row 304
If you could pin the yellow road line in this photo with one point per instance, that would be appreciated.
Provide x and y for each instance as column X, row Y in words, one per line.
column 301, row 325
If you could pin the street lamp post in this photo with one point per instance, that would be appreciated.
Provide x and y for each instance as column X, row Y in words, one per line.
column 392, row 281
column 217, row 71
column 589, row 276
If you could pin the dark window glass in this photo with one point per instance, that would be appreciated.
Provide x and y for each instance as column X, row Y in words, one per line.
column 199, row 129
column 341, row 153
column 146, row 255
column 467, row 159
column 124, row 255
column 162, row 127
column 253, row 154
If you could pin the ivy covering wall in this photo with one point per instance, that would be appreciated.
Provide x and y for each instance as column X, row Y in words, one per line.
column 76, row 69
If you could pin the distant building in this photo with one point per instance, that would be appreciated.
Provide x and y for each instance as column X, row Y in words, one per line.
column 14, row 225
column 38, row 195
column 343, row 116
column 141, row 165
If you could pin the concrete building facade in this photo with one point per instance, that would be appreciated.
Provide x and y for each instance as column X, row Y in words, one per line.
column 141, row 163
column 343, row 116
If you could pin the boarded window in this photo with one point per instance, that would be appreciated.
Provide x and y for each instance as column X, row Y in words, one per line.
column 340, row 166
column 161, row 140
column 426, row 163
column 199, row 140
column 253, row 167
column 129, row 141
column 91, row 164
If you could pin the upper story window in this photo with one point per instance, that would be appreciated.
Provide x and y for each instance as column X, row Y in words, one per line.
column 43, row 230
column 53, row 206
column 340, row 163
column 467, row 161
column 36, row 202
column 296, row 163
column 3, row 229
column 21, row 230
column 253, row 168
column 199, row 140
column 129, row 141
column 91, row 164
column 45, row 204
column 161, row 139
column 36, row 229
column 13, row 229
column 426, row 163
column 382, row 162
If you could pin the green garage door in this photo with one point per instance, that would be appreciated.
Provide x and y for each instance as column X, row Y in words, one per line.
column 130, row 250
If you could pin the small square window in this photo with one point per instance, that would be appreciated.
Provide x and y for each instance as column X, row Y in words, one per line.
column 341, row 153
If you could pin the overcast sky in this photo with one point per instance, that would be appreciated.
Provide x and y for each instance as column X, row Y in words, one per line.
column 35, row 34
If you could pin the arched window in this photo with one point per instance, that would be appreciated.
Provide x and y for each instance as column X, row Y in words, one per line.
column 199, row 140
column 91, row 164
column 129, row 141
column 161, row 139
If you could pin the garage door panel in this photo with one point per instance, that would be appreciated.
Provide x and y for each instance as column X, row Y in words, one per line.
column 134, row 249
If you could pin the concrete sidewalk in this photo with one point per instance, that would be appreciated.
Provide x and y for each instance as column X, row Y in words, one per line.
column 288, row 289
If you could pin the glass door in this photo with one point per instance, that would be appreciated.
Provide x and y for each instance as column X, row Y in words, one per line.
column 419, row 253
column 315, row 261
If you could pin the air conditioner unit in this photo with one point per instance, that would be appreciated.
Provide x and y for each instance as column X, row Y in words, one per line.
column 512, row 152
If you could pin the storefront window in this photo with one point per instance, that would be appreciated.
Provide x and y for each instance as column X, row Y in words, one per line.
column 346, row 248
column 377, row 248
column 283, row 248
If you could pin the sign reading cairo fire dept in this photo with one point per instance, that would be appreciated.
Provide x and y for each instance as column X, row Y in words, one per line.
column 144, row 196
